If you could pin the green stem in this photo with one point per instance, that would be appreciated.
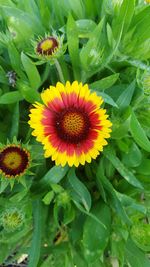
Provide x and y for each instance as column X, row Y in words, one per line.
column 58, row 67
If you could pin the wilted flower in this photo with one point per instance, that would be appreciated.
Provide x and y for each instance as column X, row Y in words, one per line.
column 12, row 78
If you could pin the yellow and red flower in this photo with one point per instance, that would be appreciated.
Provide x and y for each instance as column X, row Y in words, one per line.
column 49, row 48
column 14, row 161
column 70, row 124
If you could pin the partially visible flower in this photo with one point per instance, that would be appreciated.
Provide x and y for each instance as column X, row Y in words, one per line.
column 14, row 161
column 70, row 124
column 49, row 47
column 147, row 1
column 12, row 219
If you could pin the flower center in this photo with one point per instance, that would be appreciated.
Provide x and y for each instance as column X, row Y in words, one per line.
column 14, row 161
column 47, row 46
column 72, row 125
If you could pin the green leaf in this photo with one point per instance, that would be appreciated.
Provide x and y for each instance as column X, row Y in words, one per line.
column 4, row 183
column 15, row 59
column 122, row 20
column 82, row 195
column 91, row 215
column 125, row 173
column 3, row 78
column 15, row 122
column 55, row 174
column 114, row 200
column 11, row 97
column 105, row 82
column 34, row 253
column 73, row 46
column 48, row 198
column 29, row 94
column 45, row 13
column 91, row 53
column 107, row 99
column 134, row 256
column 141, row 25
column 144, row 167
column 85, row 27
column 95, row 236
column 22, row 23
column 133, row 157
column 124, row 99
column 77, row 7
column 31, row 71
column 129, row 202
column 110, row 37
column 138, row 133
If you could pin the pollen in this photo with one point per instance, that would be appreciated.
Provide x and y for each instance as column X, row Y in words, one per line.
column 73, row 123
column 12, row 160
column 47, row 44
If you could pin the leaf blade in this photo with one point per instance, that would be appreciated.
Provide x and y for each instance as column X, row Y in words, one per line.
column 80, row 190
column 125, row 173
column 138, row 133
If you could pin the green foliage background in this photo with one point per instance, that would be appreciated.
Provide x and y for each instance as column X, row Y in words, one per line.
column 97, row 215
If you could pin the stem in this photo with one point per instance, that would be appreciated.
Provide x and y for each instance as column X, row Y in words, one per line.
column 58, row 67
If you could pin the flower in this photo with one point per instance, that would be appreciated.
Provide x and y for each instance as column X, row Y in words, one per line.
column 14, row 160
column 70, row 124
column 49, row 47
column 11, row 219
column 147, row 1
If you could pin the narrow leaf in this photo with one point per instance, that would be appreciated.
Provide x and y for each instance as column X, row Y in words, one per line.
column 95, row 236
column 123, row 19
column 85, row 27
column 128, row 175
column 134, row 256
column 138, row 133
column 34, row 253
column 11, row 97
column 31, row 71
column 28, row 93
column 15, row 122
column 73, row 46
column 55, row 174
column 107, row 99
column 80, row 190
column 125, row 98
column 115, row 202
column 105, row 82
